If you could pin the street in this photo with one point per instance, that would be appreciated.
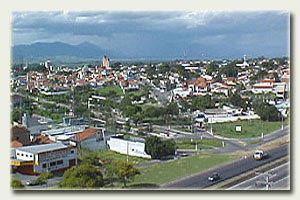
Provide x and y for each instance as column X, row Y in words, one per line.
column 226, row 171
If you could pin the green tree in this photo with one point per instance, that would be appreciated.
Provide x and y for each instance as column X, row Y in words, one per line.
column 130, row 111
column 202, row 103
column 157, row 148
column 16, row 184
column 82, row 177
column 212, row 67
column 266, row 112
column 236, row 100
column 122, row 171
column 229, row 70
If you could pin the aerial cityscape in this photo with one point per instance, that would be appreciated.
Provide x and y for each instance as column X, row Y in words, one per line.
column 177, row 100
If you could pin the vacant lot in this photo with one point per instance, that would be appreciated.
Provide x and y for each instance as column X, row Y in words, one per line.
column 202, row 144
column 250, row 129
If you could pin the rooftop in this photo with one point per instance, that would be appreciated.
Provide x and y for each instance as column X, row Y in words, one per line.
column 42, row 148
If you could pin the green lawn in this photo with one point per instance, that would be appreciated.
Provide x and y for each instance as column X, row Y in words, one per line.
column 202, row 144
column 164, row 172
column 250, row 129
column 107, row 155
column 107, row 90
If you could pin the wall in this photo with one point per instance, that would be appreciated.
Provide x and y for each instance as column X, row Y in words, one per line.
column 124, row 146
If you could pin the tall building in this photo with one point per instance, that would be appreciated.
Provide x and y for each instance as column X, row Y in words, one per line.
column 244, row 64
column 105, row 62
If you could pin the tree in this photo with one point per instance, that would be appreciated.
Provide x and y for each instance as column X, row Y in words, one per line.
column 212, row 67
column 82, row 176
column 201, row 103
column 16, row 184
column 42, row 178
column 266, row 112
column 122, row 171
column 229, row 70
column 236, row 100
column 130, row 111
column 157, row 148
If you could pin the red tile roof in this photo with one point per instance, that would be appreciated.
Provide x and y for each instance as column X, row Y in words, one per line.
column 15, row 144
column 41, row 139
column 85, row 134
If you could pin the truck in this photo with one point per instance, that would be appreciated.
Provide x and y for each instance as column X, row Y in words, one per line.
column 259, row 154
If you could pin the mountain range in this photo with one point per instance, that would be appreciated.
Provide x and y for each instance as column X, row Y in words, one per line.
column 59, row 51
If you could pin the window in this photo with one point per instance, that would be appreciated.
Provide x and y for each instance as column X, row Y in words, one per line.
column 60, row 162
column 30, row 156
column 52, row 164
column 26, row 155
column 72, row 151
column 18, row 154
column 44, row 165
column 22, row 154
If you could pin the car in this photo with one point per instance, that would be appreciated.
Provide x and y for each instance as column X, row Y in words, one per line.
column 214, row 176
column 30, row 183
column 259, row 154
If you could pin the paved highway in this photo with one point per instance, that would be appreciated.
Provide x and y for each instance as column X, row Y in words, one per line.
column 278, row 177
column 226, row 171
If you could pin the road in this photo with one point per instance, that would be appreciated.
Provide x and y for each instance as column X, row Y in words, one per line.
column 278, row 176
column 226, row 171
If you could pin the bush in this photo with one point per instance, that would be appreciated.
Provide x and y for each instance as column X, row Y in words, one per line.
column 42, row 178
column 16, row 184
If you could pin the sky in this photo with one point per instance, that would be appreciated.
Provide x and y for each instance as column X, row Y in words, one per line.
column 200, row 34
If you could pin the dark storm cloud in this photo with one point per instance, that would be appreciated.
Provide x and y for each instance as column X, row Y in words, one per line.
column 157, row 32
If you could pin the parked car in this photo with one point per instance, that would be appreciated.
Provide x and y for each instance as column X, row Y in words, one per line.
column 215, row 176
column 30, row 183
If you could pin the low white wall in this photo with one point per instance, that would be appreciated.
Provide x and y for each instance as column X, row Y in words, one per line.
column 131, row 148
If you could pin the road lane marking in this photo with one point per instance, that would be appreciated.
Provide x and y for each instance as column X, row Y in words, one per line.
column 273, row 169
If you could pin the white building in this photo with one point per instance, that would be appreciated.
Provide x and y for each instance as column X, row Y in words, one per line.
column 128, row 147
column 37, row 159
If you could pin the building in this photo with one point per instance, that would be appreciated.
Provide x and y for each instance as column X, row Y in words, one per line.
column 36, row 159
column 128, row 147
column 198, row 86
column 34, row 125
column 263, row 86
column 91, row 138
column 21, row 135
column 105, row 62
column 244, row 64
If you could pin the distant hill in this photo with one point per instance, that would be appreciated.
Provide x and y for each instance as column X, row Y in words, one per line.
column 42, row 51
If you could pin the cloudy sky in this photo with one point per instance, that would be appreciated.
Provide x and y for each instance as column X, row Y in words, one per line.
column 202, row 34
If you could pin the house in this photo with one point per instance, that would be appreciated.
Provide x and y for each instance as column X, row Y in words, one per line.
column 36, row 159
column 91, row 138
column 263, row 86
column 181, row 92
column 198, row 86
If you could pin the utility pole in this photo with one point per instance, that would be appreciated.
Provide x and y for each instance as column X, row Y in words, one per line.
column 281, row 121
column 127, row 152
